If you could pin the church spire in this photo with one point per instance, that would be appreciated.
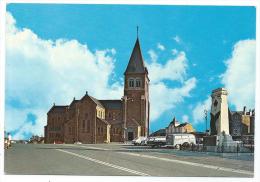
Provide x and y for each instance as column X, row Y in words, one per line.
column 136, row 63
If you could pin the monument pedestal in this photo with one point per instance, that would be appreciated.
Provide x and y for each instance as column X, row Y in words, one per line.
column 220, row 143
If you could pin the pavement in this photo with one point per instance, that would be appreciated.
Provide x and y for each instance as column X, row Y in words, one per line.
column 122, row 160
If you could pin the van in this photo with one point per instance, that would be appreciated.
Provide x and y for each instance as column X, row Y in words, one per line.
column 156, row 141
column 139, row 140
column 178, row 139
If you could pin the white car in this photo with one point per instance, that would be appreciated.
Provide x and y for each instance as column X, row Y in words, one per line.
column 139, row 140
column 78, row 143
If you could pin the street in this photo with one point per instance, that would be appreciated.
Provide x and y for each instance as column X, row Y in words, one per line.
column 122, row 160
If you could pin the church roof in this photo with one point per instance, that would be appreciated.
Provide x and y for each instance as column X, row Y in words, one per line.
column 55, row 108
column 96, row 101
column 93, row 99
column 136, row 63
column 74, row 101
column 111, row 104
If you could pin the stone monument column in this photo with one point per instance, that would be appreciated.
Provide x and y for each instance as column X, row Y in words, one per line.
column 219, row 139
column 219, row 122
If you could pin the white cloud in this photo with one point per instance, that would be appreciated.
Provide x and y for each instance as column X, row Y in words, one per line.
column 239, row 78
column 185, row 118
column 174, row 69
column 171, row 96
column 160, row 47
column 174, row 51
column 153, row 55
column 198, row 111
column 40, row 72
column 177, row 39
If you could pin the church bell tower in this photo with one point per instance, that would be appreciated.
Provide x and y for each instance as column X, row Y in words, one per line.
column 136, row 106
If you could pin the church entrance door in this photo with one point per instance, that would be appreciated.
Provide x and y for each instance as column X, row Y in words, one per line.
column 130, row 136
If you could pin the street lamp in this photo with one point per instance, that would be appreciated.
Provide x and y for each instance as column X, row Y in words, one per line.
column 206, row 119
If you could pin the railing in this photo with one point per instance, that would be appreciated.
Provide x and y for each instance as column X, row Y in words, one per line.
column 238, row 148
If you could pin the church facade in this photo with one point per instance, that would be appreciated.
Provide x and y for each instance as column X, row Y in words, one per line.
column 89, row 120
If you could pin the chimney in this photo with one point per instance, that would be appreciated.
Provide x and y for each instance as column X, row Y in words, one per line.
column 86, row 92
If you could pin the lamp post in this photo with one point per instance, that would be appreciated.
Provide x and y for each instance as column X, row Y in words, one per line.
column 206, row 119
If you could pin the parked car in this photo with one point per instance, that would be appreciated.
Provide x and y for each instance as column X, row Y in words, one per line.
column 156, row 141
column 144, row 142
column 139, row 140
column 74, row 143
column 180, row 139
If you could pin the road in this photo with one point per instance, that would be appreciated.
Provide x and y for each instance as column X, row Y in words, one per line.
column 122, row 160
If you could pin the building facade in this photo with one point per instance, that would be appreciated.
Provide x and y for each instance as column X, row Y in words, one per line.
column 176, row 127
column 90, row 120
column 241, row 122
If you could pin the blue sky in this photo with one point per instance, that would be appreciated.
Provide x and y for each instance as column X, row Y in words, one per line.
column 196, row 48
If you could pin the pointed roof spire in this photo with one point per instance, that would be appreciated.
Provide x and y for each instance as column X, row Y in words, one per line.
column 136, row 63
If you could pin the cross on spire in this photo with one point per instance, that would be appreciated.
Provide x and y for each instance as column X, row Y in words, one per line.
column 137, row 30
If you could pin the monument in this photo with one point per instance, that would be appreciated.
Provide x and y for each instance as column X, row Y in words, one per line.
column 219, row 138
column 219, row 122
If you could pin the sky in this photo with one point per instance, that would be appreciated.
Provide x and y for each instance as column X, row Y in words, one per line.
column 55, row 52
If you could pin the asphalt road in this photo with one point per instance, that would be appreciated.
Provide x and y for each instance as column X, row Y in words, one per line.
column 122, row 160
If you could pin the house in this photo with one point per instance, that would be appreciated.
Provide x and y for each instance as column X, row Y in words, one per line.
column 176, row 127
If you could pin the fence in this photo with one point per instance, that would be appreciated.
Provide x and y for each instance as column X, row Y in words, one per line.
column 243, row 147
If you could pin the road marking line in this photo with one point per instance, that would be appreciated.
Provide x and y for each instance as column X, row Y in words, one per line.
column 104, row 163
column 192, row 163
column 96, row 148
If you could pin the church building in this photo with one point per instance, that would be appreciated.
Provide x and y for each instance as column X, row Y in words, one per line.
column 90, row 120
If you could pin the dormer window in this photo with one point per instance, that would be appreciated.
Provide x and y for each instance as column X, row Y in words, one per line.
column 138, row 82
column 131, row 82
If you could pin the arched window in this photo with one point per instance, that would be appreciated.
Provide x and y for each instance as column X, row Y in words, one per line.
column 131, row 82
column 138, row 82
